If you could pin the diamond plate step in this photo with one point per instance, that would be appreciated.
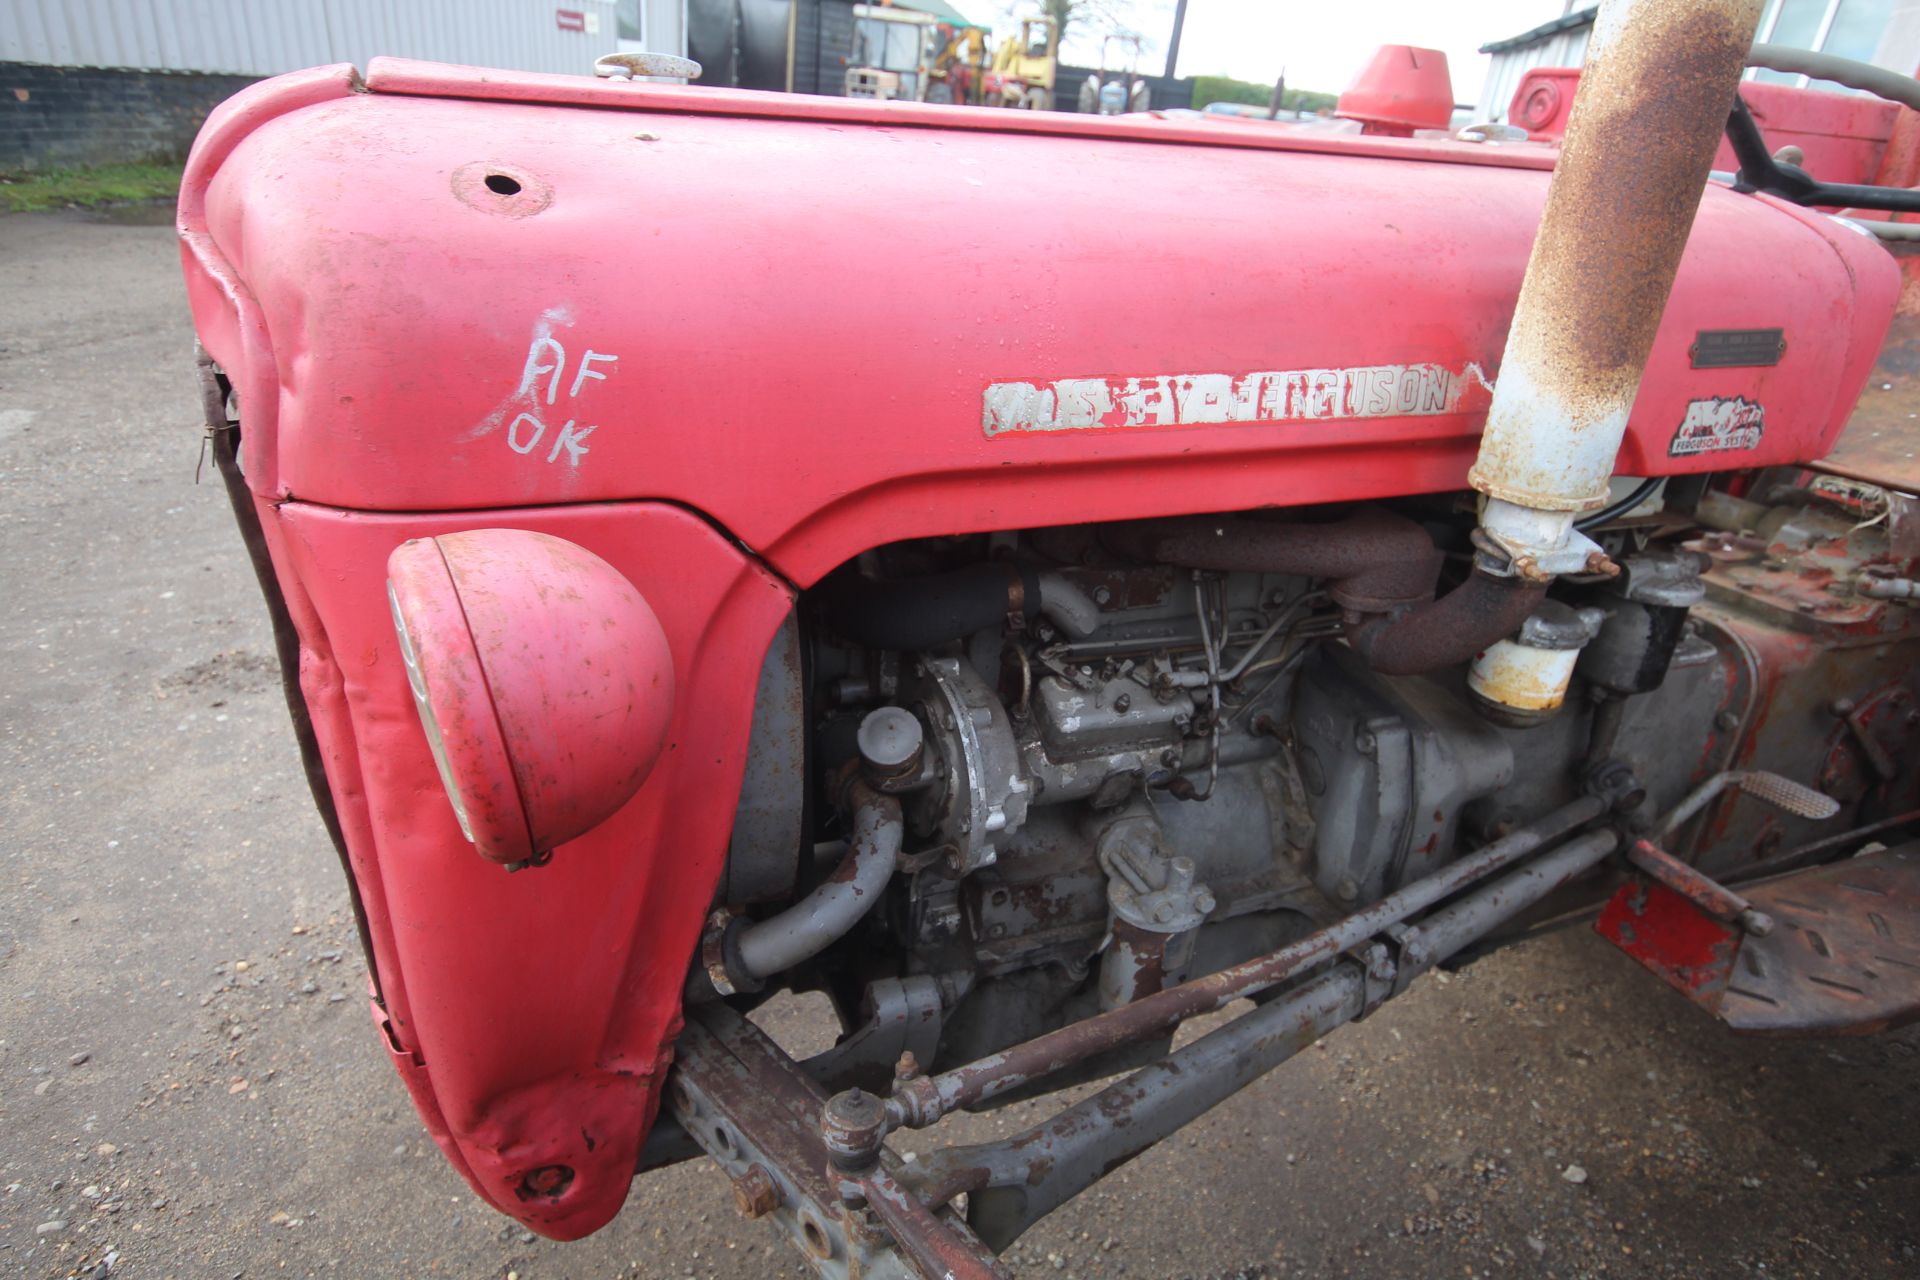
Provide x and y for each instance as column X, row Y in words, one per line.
column 1842, row 959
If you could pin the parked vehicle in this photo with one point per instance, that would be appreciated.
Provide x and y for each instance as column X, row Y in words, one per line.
column 958, row 67
column 893, row 53
column 680, row 603
column 1112, row 91
column 1025, row 68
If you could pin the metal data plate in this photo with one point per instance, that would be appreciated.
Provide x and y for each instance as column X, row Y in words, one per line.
column 1737, row 348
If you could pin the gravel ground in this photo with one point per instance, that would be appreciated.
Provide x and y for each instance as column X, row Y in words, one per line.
column 190, row 1087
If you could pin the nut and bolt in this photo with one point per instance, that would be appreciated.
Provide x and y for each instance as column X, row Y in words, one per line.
column 1101, row 596
column 853, row 1124
column 754, row 1193
column 548, row 1180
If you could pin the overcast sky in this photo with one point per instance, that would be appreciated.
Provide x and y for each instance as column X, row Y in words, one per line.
column 1320, row 43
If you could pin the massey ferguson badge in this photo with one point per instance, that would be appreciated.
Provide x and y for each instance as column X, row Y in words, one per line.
column 1723, row 423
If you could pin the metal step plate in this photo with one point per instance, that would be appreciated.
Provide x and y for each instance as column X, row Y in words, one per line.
column 1843, row 958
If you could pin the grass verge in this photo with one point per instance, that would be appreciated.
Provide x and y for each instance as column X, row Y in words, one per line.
column 105, row 184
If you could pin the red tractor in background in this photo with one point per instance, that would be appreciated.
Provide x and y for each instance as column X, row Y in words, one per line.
column 1469, row 539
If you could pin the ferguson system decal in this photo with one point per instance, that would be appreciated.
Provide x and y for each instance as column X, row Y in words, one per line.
column 1722, row 423
column 1222, row 399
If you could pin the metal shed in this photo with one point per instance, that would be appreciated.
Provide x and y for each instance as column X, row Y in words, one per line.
column 248, row 38
column 1559, row 43
column 96, row 81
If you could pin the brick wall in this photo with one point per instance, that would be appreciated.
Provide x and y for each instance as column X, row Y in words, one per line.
column 59, row 117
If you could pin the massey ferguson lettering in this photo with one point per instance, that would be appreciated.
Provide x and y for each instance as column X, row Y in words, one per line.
column 1226, row 399
column 1722, row 423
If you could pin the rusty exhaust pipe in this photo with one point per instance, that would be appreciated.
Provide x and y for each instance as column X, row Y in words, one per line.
column 1660, row 77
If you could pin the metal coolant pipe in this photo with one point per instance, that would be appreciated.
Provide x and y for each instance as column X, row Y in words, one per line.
column 810, row 925
column 1659, row 80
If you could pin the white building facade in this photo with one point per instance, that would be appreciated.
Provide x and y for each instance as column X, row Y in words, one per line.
column 1885, row 33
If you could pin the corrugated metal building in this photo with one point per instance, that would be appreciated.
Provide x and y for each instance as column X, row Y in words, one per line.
column 92, row 81
column 1885, row 33
column 251, row 38
column 1559, row 43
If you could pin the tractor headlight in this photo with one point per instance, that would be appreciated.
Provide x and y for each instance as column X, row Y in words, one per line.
column 543, row 680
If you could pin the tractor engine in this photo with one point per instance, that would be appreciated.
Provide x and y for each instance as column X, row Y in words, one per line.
column 1126, row 755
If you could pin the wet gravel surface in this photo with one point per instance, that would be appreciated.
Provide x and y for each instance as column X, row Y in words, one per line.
column 190, row 1086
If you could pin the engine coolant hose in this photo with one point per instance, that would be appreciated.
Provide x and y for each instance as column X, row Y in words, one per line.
column 824, row 916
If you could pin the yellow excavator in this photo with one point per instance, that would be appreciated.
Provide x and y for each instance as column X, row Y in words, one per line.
column 959, row 67
column 1024, row 67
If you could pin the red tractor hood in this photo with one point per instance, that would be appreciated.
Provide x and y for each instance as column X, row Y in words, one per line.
column 827, row 324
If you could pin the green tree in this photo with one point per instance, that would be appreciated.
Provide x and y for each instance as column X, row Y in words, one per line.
column 1089, row 12
column 1226, row 89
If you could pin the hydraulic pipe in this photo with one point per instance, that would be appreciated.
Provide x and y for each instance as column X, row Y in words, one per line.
column 806, row 928
column 1653, row 99
column 918, row 1103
